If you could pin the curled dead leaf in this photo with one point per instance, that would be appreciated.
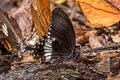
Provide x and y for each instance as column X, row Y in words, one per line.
column 96, row 41
column 99, row 13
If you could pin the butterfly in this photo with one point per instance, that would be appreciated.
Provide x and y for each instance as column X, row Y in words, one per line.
column 60, row 40
column 10, row 34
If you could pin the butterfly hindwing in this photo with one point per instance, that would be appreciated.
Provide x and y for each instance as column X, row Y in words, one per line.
column 61, row 36
column 8, row 36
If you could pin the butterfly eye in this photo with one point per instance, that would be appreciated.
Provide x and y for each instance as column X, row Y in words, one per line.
column 60, row 40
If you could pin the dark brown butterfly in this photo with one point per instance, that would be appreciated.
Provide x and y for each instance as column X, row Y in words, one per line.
column 10, row 34
column 60, row 40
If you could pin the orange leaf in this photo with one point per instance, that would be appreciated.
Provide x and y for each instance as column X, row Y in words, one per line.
column 99, row 13
column 37, row 22
column 41, row 18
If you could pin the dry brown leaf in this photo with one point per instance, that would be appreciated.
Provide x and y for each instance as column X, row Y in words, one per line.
column 37, row 23
column 99, row 13
column 41, row 18
column 116, row 38
column 81, row 36
column 104, row 64
column 96, row 41
column 24, row 18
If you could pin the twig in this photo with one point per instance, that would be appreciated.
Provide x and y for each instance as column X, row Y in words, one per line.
column 110, row 48
column 73, row 12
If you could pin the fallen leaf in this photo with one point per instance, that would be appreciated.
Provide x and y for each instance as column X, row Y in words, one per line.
column 82, row 38
column 24, row 18
column 96, row 41
column 41, row 17
column 116, row 38
column 99, row 13
column 81, row 35
column 104, row 64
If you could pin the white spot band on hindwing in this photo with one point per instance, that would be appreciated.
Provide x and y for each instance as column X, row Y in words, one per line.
column 48, row 49
column 4, row 29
